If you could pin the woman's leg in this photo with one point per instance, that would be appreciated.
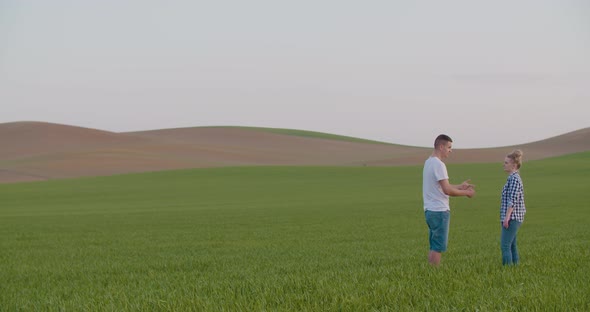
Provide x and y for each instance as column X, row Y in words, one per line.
column 508, row 243
column 505, row 244
column 515, row 225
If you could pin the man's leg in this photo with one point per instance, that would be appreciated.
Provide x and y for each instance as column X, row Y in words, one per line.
column 434, row 258
column 438, row 228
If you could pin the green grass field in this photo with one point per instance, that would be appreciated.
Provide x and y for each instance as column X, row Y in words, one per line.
column 291, row 239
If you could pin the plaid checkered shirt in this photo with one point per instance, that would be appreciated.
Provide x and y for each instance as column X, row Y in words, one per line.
column 513, row 196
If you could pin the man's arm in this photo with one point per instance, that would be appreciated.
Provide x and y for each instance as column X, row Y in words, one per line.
column 464, row 189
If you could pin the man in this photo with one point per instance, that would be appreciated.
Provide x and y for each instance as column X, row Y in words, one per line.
column 436, row 190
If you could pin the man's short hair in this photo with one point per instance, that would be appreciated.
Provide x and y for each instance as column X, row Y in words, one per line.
column 442, row 139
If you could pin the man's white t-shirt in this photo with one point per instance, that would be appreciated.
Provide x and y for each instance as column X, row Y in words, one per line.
column 434, row 197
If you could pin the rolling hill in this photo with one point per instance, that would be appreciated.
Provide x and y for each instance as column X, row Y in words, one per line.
column 40, row 151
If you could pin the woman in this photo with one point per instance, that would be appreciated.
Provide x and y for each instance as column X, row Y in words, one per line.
column 512, row 209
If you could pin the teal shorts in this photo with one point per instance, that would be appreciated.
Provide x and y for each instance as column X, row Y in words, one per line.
column 438, row 229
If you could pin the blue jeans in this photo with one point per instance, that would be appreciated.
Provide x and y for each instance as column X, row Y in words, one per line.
column 438, row 229
column 508, row 243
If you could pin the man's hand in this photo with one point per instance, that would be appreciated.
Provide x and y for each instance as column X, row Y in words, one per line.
column 506, row 223
column 466, row 185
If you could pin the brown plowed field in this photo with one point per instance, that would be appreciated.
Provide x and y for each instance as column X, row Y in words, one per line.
column 33, row 151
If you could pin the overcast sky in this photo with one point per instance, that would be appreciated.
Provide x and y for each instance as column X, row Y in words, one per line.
column 487, row 73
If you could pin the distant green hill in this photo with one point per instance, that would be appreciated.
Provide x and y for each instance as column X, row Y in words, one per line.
column 308, row 134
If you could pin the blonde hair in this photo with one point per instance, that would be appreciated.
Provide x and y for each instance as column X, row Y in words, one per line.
column 516, row 157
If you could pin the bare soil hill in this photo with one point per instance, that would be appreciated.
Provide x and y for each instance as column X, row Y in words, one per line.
column 28, row 139
column 33, row 151
column 569, row 143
